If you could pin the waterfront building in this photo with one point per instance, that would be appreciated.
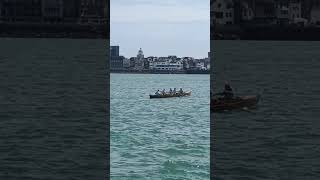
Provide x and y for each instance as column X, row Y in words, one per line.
column 52, row 10
column 223, row 12
column 93, row 11
column 167, row 64
column 146, row 63
column 185, row 64
column 21, row 10
column 191, row 62
column 265, row 11
column 132, row 62
column 151, row 60
column 282, row 12
column 114, row 50
column 201, row 66
column 247, row 12
column 288, row 11
column 116, row 62
column 126, row 63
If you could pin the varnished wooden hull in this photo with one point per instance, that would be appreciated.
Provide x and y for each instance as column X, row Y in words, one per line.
column 219, row 105
column 170, row 95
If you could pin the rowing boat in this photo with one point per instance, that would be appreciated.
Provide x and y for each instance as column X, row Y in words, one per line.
column 222, row 104
column 170, row 95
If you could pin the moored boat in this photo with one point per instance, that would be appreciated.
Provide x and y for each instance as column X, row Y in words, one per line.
column 168, row 95
column 222, row 104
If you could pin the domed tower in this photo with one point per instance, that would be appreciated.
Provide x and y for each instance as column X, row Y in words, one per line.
column 139, row 60
column 140, row 54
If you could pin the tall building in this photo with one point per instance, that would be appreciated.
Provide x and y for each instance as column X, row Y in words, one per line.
column 114, row 50
column 116, row 61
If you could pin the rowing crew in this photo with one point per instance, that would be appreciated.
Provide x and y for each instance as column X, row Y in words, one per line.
column 163, row 92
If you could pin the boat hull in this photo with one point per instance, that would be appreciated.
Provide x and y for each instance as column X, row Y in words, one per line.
column 219, row 105
column 170, row 95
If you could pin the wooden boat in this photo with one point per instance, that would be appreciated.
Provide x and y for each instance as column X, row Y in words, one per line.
column 170, row 95
column 222, row 104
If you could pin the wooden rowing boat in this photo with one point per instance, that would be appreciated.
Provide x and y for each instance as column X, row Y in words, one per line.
column 222, row 104
column 171, row 95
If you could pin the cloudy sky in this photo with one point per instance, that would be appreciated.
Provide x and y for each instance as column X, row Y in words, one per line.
column 161, row 27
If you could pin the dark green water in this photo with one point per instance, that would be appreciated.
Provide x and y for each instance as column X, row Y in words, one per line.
column 53, row 109
column 159, row 138
column 281, row 139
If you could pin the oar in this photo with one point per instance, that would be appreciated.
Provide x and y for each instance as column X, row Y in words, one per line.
column 216, row 94
column 245, row 109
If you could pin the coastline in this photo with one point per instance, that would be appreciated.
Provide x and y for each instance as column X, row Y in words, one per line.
column 160, row 72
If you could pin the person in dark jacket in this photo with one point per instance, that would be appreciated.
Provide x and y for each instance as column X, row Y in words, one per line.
column 228, row 92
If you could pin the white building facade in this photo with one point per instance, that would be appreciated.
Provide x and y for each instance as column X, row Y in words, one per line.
column 165, row 64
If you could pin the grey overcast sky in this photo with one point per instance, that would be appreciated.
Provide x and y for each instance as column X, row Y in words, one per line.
column 161, row 27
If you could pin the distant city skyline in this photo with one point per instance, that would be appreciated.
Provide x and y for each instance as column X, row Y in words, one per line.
column 161, row 28
column 152, row 55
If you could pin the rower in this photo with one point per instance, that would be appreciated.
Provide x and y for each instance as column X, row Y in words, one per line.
column 164, row 91
column 170, row 91
column 174, row 90
column 228, row 92
column 180, row 91
column 158, row 92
